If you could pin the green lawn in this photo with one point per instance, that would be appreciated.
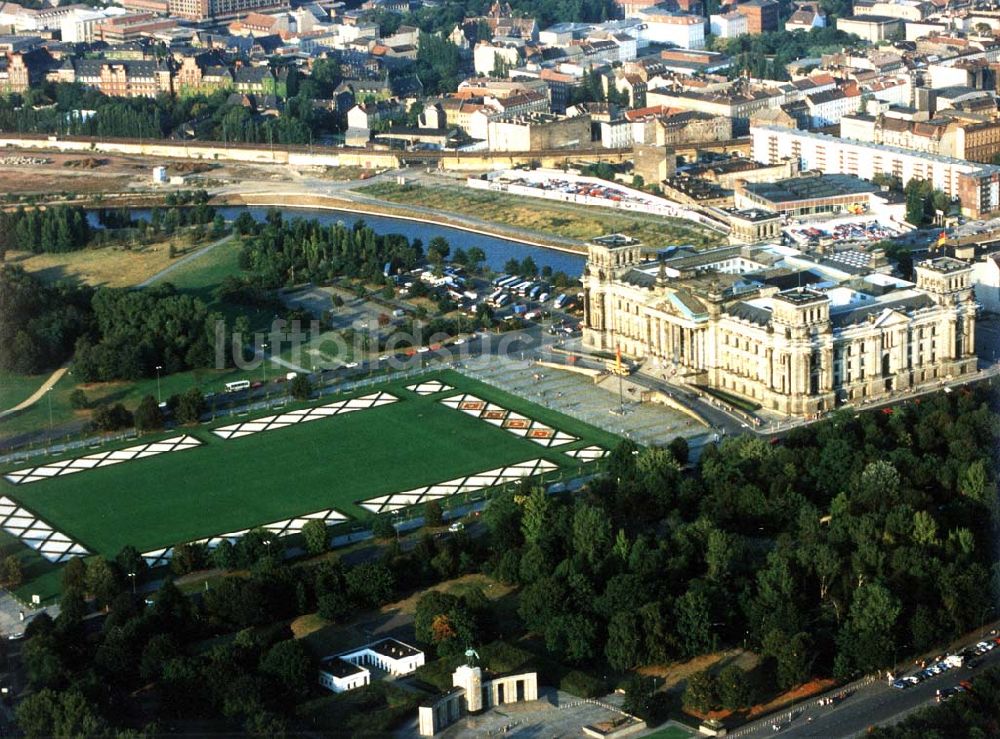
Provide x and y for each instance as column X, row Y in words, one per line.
column 227, row 485
column 15, row 388
column 129, row 393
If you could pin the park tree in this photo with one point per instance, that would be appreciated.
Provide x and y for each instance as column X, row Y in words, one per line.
column 433, row 515
column 74, row 574
column 735, row 689
column 79, row 400
column 535, row 522
column 624, row 645
column 111, row 417
column 382, row 527
column 102, row 580
column 290, row 668
column 438, row 250
column 865, row 642
column 694, row 620
column 370, row 584
column 187, row 558
column 316, row 536
column 300, row 387
column 592, row 535
column 50, row 713
column 12, row 572
column 191, row 406
column 702, row 692
column 147, row 415
column 131, row 562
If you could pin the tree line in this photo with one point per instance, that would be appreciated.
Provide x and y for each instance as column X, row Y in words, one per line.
column 59, row 228
column 277, row 252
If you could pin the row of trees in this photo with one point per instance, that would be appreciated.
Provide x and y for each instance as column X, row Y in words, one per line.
column 277, row 252
column 60, row 228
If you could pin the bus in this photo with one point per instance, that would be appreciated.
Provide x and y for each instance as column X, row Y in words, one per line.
column 235, row 387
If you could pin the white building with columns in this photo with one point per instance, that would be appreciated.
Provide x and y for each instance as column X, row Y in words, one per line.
column 726, row 320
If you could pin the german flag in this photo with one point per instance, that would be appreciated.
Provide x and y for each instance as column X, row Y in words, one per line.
column 941, row 241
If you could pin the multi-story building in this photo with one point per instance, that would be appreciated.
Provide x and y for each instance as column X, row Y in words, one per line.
column 674, row 29
column 207, row 10
column 828, row 107
column 724, row 321
column 762, row 15
column 21, row 70
column 738, row 104
column 537, row 132
column 977, row 186
column 728, row 25
column 871, row 28
column 125, row 78
column 952, row 133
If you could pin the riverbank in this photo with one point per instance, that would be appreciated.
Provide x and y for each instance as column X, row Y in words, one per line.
column 327, row 202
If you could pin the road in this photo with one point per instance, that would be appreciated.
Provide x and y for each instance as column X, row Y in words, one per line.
column 870, row 705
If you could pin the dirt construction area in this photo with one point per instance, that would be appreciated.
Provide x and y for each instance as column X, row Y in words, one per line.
column 45, row 173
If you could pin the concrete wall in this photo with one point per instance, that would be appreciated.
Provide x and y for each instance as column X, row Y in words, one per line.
column 478, row 161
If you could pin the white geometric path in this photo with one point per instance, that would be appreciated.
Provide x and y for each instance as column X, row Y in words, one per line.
column 54, row 546
column 508, row 420
column 588, row 453
column 269, row 423
column 429, row 388
column 471, row 483
column 100, row 459
column 286, row 527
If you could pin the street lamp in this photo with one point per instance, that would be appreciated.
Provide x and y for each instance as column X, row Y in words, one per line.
column 263, row 357
column 159, row 398
column 48, row 394
column 131, row 576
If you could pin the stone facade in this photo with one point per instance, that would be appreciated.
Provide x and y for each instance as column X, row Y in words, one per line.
column 537, row 132
column 719, row 319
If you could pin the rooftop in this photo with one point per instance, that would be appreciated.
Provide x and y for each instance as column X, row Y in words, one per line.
column 801, row 296
column 393, row 648
column 972, row 166
column 810, row 188
column 944, row 265
column 340, row 667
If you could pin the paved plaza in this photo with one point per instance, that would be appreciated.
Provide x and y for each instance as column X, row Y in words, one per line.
column 577, row 396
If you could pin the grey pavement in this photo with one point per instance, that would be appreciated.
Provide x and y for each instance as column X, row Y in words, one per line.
column 11, row 611
column 868, row 703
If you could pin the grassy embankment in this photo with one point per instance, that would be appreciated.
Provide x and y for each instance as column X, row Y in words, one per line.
column 562, row 219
